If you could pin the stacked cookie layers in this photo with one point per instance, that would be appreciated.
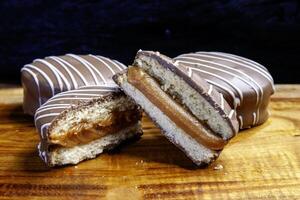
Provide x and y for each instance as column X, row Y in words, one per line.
column 79, row 110
column 197, row 105
column 192, row 115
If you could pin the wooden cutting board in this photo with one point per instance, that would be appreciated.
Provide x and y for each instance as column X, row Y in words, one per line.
column 260, row 163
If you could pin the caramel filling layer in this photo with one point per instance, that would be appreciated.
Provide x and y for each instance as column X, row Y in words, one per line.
column 85, row 132
column 183, row 119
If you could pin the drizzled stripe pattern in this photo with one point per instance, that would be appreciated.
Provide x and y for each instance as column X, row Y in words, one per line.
column 239, row 79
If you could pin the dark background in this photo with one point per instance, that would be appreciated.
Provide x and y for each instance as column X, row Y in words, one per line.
column 266, row 31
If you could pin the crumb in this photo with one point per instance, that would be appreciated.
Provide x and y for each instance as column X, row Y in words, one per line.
column 218, row 167
column 142, row 161
column 76, row 167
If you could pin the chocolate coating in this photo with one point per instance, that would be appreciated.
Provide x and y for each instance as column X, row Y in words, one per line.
column 245, row 84
column 46, row 77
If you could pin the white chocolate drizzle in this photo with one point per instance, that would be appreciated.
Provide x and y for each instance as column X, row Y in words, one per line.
column 69, row 76
column 234, row 76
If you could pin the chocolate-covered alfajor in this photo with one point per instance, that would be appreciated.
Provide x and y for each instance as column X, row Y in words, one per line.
column 79, row 110
column 80, row 124
column 44, row 78
column 245, row 84
column 191, row 113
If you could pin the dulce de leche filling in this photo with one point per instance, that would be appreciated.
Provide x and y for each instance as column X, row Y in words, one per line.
column 183, row 119
column 85, row 132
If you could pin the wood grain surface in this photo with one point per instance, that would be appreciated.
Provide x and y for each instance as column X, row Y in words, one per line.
column 260, row 163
